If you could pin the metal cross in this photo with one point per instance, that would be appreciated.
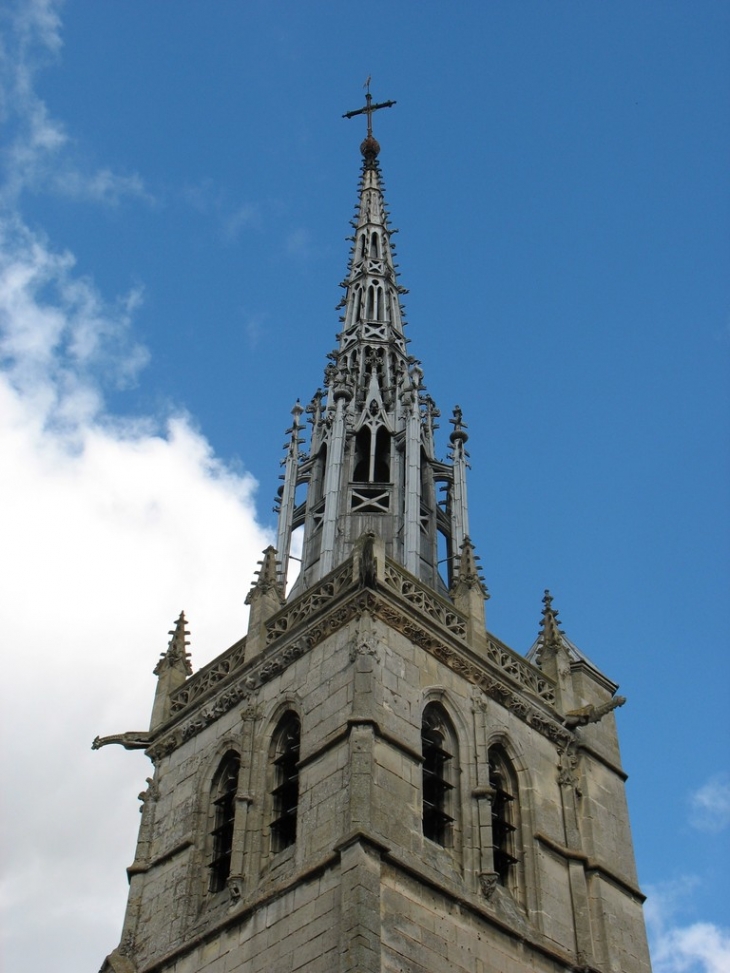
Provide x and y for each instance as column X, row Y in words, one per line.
column 369, row 108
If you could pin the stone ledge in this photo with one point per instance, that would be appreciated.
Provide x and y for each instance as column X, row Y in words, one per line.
column 590, row 865
column 138, row 869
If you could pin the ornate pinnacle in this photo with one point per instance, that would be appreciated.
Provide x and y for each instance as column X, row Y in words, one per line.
column 468, row 571
column 267, row 575
column 549, row 629
column 177, row 655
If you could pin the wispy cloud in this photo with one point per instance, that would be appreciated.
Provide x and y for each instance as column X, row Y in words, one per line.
column 38, row 153
column 298, row 242
column 710, row 805
column 254, row 328
column 698, row 947
column 213, row 201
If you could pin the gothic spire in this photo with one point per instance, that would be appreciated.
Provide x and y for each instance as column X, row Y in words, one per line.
column 371, row 464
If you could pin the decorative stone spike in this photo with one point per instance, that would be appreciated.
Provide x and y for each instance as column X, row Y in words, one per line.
column 264, row 599
column 469, row 593
column 172, row 670
column 550, row 630
column 553, row 655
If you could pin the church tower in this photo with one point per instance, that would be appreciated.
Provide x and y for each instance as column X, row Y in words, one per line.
column 369, row 780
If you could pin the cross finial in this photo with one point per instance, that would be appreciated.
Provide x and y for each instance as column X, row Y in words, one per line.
column 369, row 108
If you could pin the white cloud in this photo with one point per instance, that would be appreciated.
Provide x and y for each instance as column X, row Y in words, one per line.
column 39, row 153
column 710, row 805
column 109, row 528
column 698, row 947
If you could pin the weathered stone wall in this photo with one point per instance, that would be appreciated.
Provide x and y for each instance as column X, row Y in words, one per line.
column 300, row 930
column 358, row 891
column 424, row 931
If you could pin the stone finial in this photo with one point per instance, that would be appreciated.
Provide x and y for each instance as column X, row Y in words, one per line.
column 553, row 654
column 267, row 577
column 549, row 629
column 177, row 655
column 264, row 599
column 467, row 572
column 172, row 669
column 469, row 592
column 459, row 434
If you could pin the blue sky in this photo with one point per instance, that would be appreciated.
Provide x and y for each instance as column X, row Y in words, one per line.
column 177, row 182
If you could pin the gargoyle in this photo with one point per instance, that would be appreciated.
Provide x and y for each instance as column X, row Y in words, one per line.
column 591, row 713
column 134, row 740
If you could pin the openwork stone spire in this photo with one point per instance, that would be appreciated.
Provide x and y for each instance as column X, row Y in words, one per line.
column 371, row 464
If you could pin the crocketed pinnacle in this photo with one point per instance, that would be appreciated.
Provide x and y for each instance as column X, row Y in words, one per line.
column 467, row 572
column 550, row 630
column 177, row 655
column 267, row 575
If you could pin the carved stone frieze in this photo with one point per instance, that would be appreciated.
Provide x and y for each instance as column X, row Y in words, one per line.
column 427, row 601
column 311, row 602
column 324, row 610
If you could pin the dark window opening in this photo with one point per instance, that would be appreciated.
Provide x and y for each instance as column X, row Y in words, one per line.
column 437, row 788
column 224, row 810
column 372, row 456
column 286, row 783
column 381, row 465
column 374, row 247
column 503, row 828
column 361, row 473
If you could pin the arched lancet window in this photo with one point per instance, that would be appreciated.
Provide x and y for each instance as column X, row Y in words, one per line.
column 362, row 245
column 285, row 792
column 379, row 295
column 223, row 807
column 503, row 782
column 440, row 769
column 375, row 246
column 370, row 312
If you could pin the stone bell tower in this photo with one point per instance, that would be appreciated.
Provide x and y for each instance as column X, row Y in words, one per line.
column 369, row 780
